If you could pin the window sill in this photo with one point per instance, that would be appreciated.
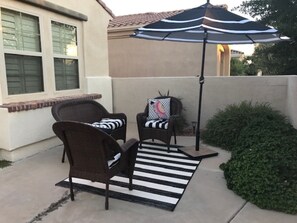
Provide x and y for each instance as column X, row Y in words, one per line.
column 37, row 104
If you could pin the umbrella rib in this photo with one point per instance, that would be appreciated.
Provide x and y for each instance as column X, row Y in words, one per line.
column 250, row 38
column 166, row 36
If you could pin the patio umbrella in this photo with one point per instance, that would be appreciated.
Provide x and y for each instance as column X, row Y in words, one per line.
column 208, row 24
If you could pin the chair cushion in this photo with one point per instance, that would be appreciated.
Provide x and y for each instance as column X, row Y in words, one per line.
column 158, row 108
column 107, row 123
column 113, row 161
column 157, row 124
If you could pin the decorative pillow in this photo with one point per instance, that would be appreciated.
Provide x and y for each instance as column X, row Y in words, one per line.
column 107, row 123
column 114, row 160
column 157, row 124
column 159, row 108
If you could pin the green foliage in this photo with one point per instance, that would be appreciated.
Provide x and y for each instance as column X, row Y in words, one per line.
column 4, row 163
column 263, row 167
column 275, row 59
column 240, row 68
column 265, row 173
column 237, row 67
column 278, row 58
column 224, row 128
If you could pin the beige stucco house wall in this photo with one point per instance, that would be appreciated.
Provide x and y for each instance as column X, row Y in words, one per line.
column 28, row 130
column 131, row 57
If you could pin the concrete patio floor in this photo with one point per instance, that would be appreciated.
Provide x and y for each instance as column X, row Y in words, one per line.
column 28, row 194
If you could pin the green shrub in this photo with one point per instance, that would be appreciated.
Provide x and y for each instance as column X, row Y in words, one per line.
column 224, row 128
column 262, row 130
column 265, row 173
column 263, row 145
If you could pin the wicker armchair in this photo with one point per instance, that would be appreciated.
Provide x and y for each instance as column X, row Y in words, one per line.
column 162, row 134
column 92, row 154
column 89, row 111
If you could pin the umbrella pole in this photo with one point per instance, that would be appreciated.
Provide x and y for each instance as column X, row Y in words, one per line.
column 201, row 81
column 195, row 151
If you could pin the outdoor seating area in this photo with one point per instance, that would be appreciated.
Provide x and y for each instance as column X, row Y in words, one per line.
column 87, row 133
column 206, row 198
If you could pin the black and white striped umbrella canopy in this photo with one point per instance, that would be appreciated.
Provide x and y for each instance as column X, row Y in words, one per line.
column 208, row 24
column 221, row 26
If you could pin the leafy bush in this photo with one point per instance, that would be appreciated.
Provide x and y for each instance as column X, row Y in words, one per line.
column 265, row 173
column 263, row 164
column 224, row 128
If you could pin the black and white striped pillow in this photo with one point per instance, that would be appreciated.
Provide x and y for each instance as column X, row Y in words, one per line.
column 157, row 124
column 107, row 123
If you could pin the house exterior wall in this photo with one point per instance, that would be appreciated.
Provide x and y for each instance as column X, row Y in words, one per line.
column 26, row 132
column 132, row 57
column 218, row 92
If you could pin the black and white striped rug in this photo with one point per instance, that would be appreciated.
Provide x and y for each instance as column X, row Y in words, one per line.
column 160, row 178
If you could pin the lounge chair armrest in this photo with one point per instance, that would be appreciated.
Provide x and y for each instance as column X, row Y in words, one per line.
column 129, row 144
column 128, row 157
column 141, row 118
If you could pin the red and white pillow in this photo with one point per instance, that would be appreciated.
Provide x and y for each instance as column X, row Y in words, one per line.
column 158, row 108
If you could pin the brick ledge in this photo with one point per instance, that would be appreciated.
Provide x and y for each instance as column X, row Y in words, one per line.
column 37, row 104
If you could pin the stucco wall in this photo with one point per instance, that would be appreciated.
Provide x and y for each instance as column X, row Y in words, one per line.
column 92, row 45
column 130, row 57
column 25, row 133
column 130, row 94
column 31, row 130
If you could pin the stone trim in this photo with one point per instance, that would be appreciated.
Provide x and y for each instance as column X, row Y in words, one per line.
column 56, row 8
column 37, row 104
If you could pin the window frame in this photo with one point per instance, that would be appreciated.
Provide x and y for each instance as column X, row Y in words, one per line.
column 3, row 78
column 63, row 56
column 47, row 56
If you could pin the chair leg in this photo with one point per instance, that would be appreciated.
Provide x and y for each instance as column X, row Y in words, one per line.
column 71, row 189
column 174, row 134
column 140, row 144
column 130, row 183
column 106, row 195
column 63, row 156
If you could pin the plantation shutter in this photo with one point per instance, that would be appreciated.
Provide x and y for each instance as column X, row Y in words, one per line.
column 24, row 74
column 22, row 47
column 20, row 31
column 64, row 39
column 66, row 74
column 65, row 49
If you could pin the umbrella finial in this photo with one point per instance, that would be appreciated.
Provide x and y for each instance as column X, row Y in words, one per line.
column 207, row 1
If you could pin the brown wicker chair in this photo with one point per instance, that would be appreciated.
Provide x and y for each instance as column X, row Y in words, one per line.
column 88, row 111
column 88, row 150
column 163, row 135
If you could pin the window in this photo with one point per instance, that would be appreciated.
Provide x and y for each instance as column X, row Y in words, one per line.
column 66, row 74
column 22, row 52
column 23, row 74
column 65, row 56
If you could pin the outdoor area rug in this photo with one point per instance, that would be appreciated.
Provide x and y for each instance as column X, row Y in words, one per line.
column 160, row 178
